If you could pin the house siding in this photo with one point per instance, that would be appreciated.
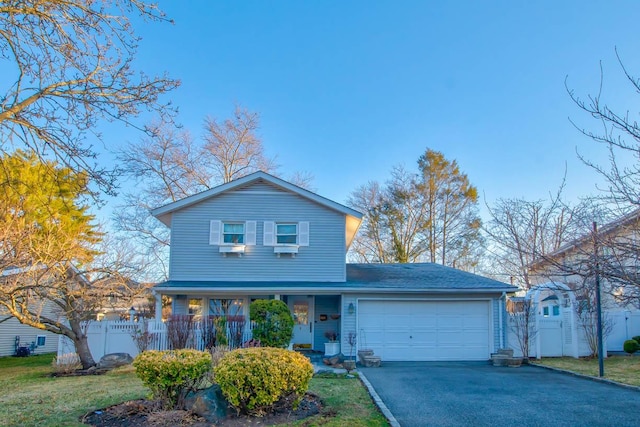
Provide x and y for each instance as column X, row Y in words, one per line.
column 326, row 305
column 193, row 258
column 11, row 328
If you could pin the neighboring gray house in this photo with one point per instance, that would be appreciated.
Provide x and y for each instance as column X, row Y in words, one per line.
column 14, row 334
column 262, row 237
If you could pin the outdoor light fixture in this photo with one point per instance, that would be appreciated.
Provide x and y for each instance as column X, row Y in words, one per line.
column 132, row 312
column 352, row 308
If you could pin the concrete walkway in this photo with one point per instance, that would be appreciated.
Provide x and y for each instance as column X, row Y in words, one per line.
column 478, row 394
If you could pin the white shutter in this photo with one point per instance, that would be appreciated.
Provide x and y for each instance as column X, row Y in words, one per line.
column 303, row 230
column 269, row 233
column 250, row 238
column 214, row 232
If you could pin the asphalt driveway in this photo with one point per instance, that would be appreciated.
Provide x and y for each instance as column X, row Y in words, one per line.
column 479, row 394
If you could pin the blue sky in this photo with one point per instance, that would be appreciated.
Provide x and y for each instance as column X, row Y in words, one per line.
column 348, row 89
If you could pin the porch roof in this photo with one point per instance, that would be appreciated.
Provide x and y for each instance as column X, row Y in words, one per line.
column 396, row 278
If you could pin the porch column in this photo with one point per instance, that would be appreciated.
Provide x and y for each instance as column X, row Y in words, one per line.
column 158, row 298
column 276, row 297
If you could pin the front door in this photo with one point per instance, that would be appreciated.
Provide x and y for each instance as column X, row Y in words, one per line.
column 302, row 310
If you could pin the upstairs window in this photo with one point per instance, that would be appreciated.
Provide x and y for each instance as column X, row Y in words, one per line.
column 232, row 236
column 233, row 233
column 286, row 234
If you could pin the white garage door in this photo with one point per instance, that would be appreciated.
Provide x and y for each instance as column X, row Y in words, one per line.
column 425, row 330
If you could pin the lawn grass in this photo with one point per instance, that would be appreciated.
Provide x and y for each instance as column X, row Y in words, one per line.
column 347, row 403
column 623, row 369
column 30, row 396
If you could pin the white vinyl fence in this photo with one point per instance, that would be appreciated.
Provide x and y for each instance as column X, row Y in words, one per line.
column 557, row 337
column 107, row 337
column 626, row 324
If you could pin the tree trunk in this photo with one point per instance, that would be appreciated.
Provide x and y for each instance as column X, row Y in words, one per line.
column 82, row 345
column 82, row 349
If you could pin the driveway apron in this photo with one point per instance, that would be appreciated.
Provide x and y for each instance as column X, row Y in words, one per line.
column 479, row 394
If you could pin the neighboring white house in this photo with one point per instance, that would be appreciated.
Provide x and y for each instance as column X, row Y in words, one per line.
column 565, row 291
column 262, row 237
column 573, row 263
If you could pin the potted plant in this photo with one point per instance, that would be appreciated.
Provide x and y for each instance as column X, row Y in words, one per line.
column 350, row 364
column 332, row 347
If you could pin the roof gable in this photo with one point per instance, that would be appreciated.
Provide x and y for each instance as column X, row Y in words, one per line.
column 163, row 213
column 632, row 219
column 262, row 181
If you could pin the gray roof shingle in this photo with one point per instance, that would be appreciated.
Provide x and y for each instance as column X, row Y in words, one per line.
column 380, row 277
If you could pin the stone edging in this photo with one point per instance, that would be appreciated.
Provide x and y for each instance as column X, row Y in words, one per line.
column 588, row 377
column 378, row 401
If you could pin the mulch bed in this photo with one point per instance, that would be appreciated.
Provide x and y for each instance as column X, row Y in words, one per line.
column 80, row 372
column 147, row 413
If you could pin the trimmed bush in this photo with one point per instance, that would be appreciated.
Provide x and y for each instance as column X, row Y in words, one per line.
column 255, row 379
column 631, row 346
column 273, row 325
column 636, row 338
column 172, row 374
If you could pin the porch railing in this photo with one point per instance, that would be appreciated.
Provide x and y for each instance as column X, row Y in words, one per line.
column 106, row 337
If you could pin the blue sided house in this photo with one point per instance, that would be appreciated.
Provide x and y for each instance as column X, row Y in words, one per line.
column 262, row 237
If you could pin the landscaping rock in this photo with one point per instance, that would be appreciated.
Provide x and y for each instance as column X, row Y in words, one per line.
column 334, row 360
column 372, row 361
column 113, row 360
column 209, row 404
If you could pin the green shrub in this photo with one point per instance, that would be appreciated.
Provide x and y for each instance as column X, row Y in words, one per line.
column 273, row 325
column 172, row 374
column 631, row 346
column 254, row 379
column 636, row 338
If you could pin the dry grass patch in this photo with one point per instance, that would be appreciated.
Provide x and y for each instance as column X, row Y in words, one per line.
column 623, row 369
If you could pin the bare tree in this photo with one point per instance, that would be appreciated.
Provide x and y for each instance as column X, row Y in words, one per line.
column 61, row 297
column 587, row 315
column 520, row 232
column 169, row 165
column 522, row 322
column 394, row 217
column 72, row 64
column 232, row 147
column 620, row 135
